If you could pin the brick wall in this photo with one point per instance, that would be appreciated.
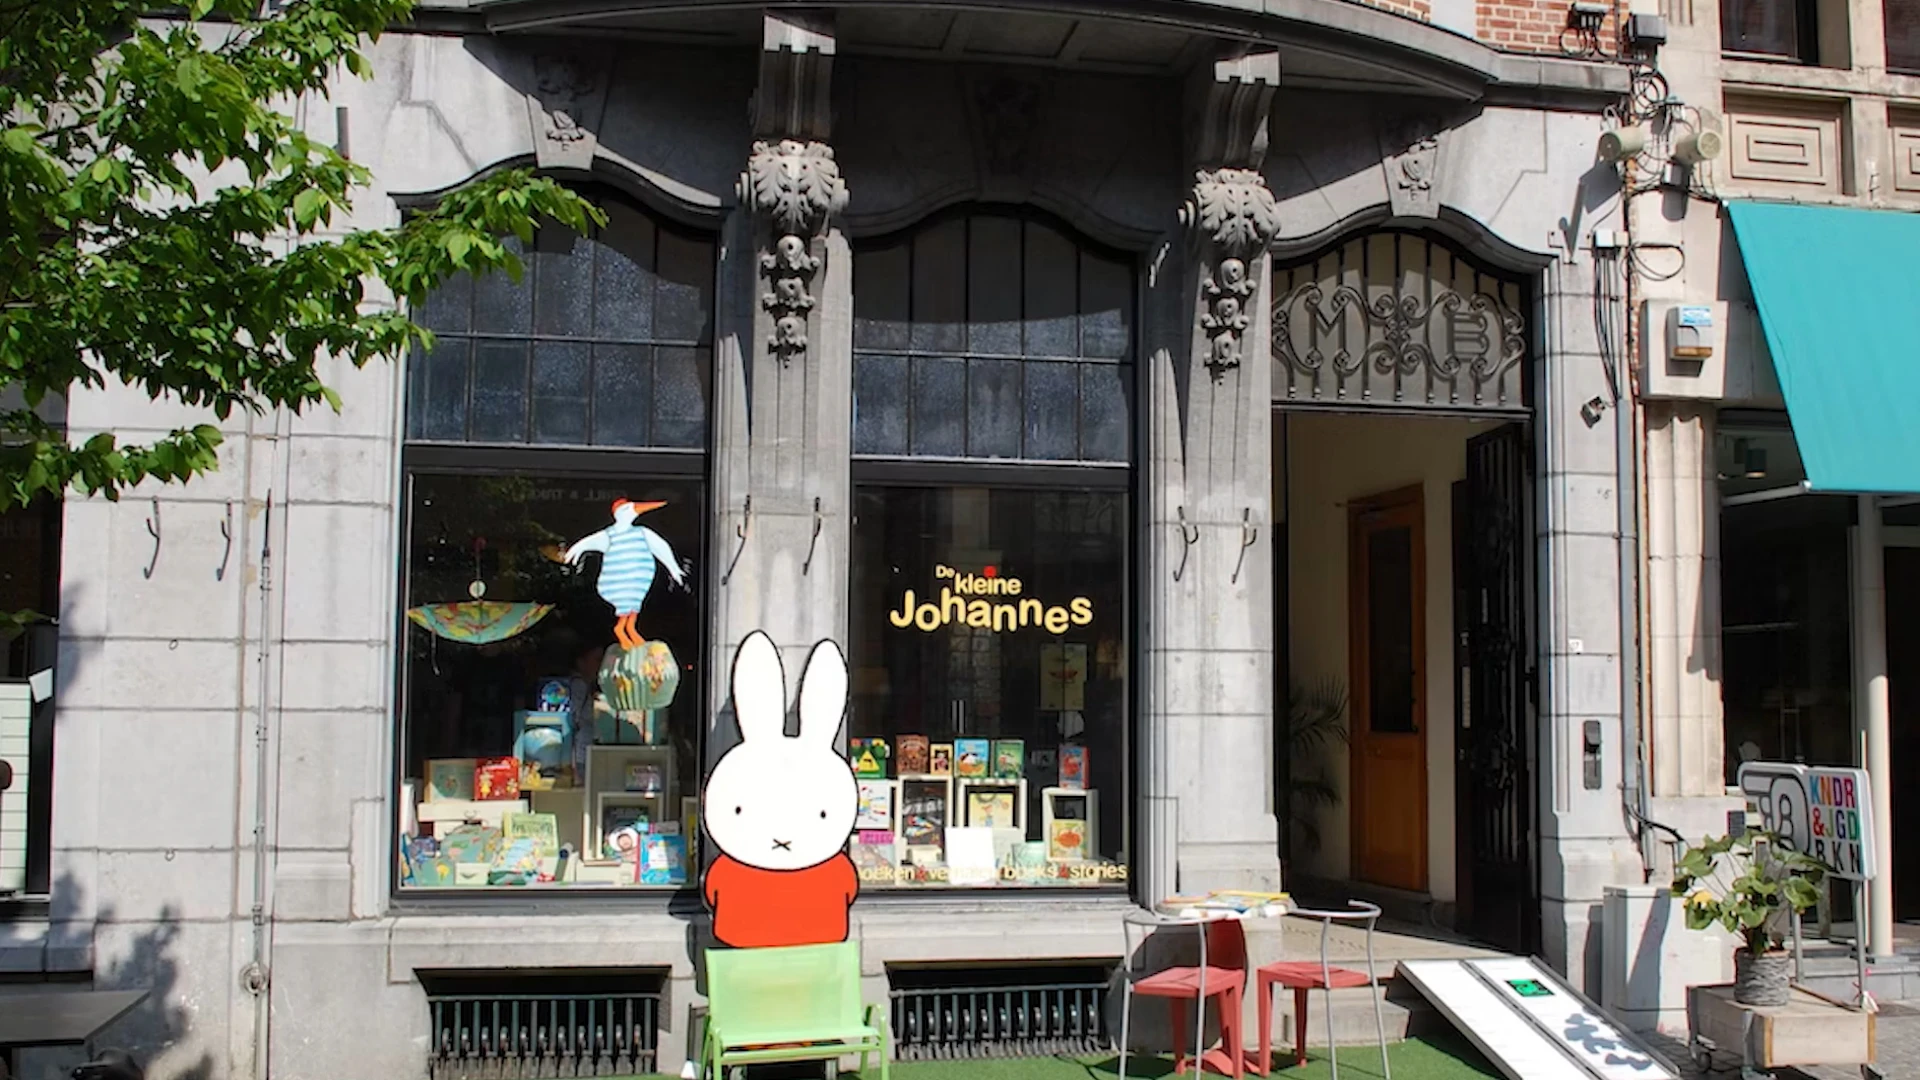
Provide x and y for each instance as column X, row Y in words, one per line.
column 1413, row 9
column 1540, row 26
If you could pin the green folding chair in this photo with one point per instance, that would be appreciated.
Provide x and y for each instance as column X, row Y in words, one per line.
column 795, row 1003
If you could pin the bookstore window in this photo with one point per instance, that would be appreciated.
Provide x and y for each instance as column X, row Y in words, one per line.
column 29, row 583
column 990, row 625
column 555, row 498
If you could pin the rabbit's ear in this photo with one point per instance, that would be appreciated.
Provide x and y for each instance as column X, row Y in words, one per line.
column 823, row 693
column 759, row 689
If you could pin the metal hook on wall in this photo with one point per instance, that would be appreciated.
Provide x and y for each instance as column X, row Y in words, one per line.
column 226, row 533
column 1191, row 535
column 740, row 530
column 815, row 542
column 153, row 530
column 1249, row 532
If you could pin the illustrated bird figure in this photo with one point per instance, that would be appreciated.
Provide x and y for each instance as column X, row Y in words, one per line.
column 631, row 554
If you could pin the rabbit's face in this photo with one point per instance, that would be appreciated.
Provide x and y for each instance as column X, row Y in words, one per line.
column 779, row 803
column 780, row 807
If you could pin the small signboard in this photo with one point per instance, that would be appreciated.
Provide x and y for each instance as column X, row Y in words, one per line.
column 1820, row 811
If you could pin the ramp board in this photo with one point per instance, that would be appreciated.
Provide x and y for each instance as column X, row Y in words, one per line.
column 1530, row 1024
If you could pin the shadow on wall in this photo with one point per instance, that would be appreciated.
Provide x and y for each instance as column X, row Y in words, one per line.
column 140, row 956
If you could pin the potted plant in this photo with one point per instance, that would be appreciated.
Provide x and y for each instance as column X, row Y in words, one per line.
column 1753, row 886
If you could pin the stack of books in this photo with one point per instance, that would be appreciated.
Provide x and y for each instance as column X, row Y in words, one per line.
column 1224, row 902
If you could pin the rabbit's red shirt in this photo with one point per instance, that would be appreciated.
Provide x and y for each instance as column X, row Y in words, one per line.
column 754, row 908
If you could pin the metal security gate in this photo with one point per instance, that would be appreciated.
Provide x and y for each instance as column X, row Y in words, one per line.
column 540, row 1026
column 1494, row 729
column 998, row 1013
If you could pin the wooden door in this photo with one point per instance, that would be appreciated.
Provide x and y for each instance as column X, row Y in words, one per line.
column 1386, row 650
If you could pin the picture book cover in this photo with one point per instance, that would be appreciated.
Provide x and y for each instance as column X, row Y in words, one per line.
column 542, row 829
column 621, row 828
column 876, row 806
column 664, row 861
column 940, row 759
column 644, row 778
column 972, row 758
column 1067, row 841
column 869, row 757
column 990, row 809
column 471, row 844
column 496, row 778
column 872, row 851
column 450, row 778
column 914, row 750
column 1009, row 759
column 923, row 815
column 517, row 864
column 1073, row 767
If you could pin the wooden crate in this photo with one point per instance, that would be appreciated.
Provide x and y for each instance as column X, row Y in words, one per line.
column 1808, row 1030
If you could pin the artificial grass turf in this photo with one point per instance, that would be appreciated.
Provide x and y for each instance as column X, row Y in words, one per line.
column 1439, row 1057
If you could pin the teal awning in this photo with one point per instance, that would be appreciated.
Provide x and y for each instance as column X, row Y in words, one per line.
column 1839, row 297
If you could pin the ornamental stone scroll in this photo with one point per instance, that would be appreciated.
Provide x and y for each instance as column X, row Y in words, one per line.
column 792, row 183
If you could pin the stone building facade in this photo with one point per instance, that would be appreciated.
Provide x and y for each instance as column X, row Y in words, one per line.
column 1331, row 343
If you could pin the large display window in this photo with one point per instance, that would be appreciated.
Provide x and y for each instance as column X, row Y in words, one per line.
column 990, row 632
column 551, row 706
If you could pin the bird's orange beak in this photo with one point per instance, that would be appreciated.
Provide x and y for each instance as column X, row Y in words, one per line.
column 647, row 507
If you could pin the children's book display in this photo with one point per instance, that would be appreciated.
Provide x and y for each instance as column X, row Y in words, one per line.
column 585, row 792
column 1225, row 903
column 970, row 790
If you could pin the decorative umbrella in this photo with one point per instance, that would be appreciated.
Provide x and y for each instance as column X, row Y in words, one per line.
column 478, row 621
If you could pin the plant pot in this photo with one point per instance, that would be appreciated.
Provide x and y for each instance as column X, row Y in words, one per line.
column 1763, row 979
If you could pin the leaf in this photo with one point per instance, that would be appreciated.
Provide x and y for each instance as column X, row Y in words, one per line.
column 102, row 169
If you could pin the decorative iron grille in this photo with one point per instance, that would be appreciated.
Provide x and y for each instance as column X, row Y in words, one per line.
column 510, row 1036
column 1016, row 1017
column 1398, row 320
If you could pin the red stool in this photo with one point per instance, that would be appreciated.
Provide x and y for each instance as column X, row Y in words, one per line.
column 1304, row 976
column 1221, row 979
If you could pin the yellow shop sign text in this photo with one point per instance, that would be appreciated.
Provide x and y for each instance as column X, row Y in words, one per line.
column 964, row 600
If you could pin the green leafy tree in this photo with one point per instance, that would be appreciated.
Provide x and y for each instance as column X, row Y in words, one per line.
column 165, row 222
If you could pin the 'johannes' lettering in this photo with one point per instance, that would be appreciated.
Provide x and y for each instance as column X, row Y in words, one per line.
column 986, row 601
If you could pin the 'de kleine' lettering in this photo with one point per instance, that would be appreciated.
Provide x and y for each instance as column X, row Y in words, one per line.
column 964, row 602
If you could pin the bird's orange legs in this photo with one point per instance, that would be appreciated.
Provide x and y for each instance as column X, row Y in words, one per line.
column 623, row 630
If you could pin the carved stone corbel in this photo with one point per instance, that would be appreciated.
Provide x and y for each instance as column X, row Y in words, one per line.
column 569, row 93
column 792, row 182
column 1231, row 212
column 1410, row 153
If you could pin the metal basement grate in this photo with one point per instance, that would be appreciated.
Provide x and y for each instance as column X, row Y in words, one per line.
column 1001, row 1012
column 550, row 1026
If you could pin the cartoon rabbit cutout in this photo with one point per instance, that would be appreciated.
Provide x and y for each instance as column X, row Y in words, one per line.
column 780, row 809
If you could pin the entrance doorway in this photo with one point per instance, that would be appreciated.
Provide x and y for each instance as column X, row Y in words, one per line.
column 1903, row 708
column 1386, row 621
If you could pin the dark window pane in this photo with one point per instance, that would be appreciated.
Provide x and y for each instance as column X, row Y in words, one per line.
column 623, row 277
column 499, row 391
column 563, row 286
column 1390, row 660
column 994, row 408
column 502, row 305
column 442, row 405
column 1105, row 420
column 560, row 385
column 686, row 287
column 939, row 407
column 879, row 404
column 1903, row 35
column 449, row 306
column 1764, row 27
column 1106, row 306
column 881, row 286
column 1053, row 411
column 680, row 397
column 622, row 395
column 993, row 286
column 1052, row 308
column 939, row 288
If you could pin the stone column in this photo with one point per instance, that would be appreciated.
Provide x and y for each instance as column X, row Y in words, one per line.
column 1585, row 844
column 783, row 389
column 1209, row 698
